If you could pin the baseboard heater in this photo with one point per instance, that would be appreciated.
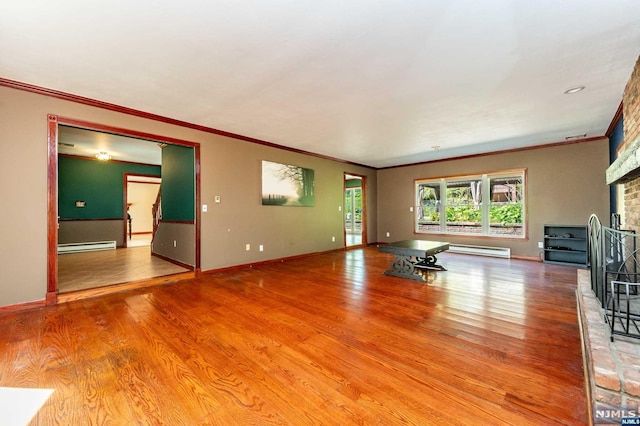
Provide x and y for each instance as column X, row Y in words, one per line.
column 481, row 250
column 88, row 246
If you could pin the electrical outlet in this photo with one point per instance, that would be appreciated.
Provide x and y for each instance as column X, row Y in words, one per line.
column 204, row 208
column 175, row 243
column 339, row 208
column 261, row 247
column 247, row 247
column 388, row 235
column 540, row 244
column 411, row 209
column 333, row 239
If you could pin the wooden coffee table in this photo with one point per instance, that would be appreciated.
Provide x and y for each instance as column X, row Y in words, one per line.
column 423, row 254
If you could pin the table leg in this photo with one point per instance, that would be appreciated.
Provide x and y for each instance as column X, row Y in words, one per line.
column 429, row 262
column 403, row 267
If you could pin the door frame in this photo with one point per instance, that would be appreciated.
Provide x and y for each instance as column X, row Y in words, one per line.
column 125, row 193
column 363, row 179
column 53, row 121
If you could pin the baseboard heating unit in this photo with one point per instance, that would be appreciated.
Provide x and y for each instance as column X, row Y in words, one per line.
column 481, row 250
column 88, row 246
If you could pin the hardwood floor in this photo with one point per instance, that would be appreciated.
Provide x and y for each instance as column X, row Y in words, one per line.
column 80, row 271
column 326, row 339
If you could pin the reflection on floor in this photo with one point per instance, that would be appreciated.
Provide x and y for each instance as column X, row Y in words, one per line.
column 139, row 240
column 353, row 239
column 80, row 271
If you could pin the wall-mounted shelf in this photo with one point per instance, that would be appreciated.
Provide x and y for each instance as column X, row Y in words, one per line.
column 565, row 245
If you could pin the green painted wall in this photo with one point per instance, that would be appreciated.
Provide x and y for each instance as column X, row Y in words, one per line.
column 178, row 183
column 99, row 183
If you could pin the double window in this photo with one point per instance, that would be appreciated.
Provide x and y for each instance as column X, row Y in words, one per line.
column 491, row 204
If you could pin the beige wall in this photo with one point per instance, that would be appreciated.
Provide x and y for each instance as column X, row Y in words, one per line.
column 565, row 185
column 142, row 196
column 229, row 168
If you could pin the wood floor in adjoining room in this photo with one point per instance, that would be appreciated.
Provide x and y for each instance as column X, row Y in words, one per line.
column 81, row 271
column 323, row 340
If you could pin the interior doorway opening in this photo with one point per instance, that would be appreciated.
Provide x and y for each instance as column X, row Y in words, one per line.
column 354, row 211
column 87, row 214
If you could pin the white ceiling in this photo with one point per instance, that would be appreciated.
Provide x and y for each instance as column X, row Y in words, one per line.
column 375, row 82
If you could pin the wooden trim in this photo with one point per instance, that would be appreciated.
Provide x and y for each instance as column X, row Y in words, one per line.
column 141, row 233
column 90, row 220
column 365, row 210
column 198, row 202
column 614, row 121
column 138, row 113
column 531, row 258
column 186, row 222
column 51, row 298
column 21, row 307
column 54, row 121
column 174, row 261
column 91, row 158
column 143, row 182
column 144, row 175
column 111, row 289
column 504, row 151
column 52, row 205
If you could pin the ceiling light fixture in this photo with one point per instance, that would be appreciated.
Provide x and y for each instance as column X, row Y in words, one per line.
column 103, row 156
column 573, row 90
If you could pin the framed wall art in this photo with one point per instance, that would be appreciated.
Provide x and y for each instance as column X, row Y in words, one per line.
column 287, row 185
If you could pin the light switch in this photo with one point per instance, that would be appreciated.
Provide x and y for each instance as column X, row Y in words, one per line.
column 204, row 208
column 217, row 198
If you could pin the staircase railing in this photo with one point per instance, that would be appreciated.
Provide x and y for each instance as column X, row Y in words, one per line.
column 156, row 211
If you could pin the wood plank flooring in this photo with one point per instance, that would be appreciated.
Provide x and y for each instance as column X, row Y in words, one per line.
column 322, row 340
column 80, row 271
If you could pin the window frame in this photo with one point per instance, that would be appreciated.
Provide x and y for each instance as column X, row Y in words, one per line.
column 440, row 226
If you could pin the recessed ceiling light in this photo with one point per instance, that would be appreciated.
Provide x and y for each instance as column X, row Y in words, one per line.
column 573, row 90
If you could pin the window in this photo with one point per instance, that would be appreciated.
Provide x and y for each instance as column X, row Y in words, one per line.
column 490, row 205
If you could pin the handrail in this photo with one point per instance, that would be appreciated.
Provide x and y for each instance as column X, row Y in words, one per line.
column 156, row 212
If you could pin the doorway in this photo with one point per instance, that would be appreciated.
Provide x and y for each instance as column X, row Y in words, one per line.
column 355, row 234
column 142, row 195
column 117, row 219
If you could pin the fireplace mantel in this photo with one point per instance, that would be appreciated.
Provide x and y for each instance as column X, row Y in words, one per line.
column 627, row 165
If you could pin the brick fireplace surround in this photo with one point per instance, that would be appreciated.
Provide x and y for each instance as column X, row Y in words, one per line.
column 613, row 368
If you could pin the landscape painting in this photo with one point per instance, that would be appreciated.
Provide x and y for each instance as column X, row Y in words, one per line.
column 286, row 185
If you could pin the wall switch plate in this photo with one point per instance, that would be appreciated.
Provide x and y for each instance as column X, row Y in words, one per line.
column 204, row 208
column 410, row 209
column 261, row 247
column 175, row 243
column 217, row 198
column 540, row 244
column 388, row 235
column 333, row 239
column 247, row 247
